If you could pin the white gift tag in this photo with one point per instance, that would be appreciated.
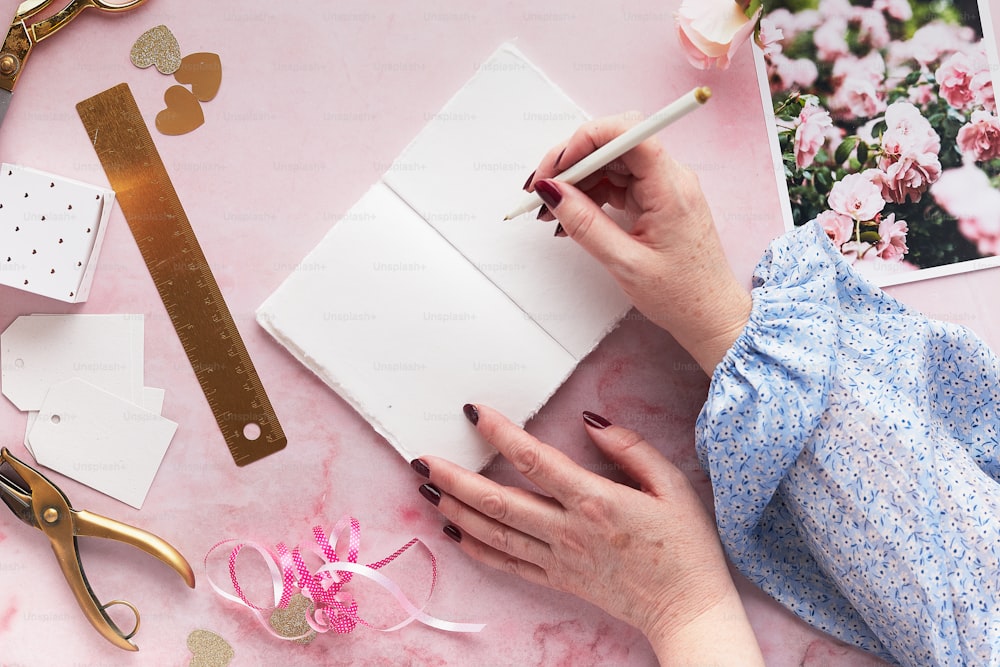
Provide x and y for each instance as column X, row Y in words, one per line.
column 40, row 350
column 100, row 440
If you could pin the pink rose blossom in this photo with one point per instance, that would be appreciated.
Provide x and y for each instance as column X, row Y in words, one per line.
column 922, row 93
column 908, row 177
column 891, row 245
column 769, row 37
column 837, row 226
column 857, row 98
column 871, row 68
column 897, row 9
column 982, row 90
column 859, row 92
column 934, row 40
column 873, row 28
column 830, row 40
column 857, row 197
column 907, row 131
column 810, row 133
column 786, row 73
column 836, row 9
column 967, row 194
column 979, row 139
column 710, row 31
column 955, row 76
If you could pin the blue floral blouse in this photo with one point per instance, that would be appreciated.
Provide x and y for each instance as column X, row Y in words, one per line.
column 852, row 445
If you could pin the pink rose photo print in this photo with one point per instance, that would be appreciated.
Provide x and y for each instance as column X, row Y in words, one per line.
column 886, row 129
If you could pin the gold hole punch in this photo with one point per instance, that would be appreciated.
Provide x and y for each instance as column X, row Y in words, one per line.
column 39, row 503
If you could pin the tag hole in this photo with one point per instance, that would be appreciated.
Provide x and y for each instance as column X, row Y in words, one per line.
column 56, row 419
column 251, row 431
column 19, row 363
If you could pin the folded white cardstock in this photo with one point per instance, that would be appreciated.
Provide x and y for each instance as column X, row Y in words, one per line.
column 100, row 440
column 421, row 298
column 51, row 232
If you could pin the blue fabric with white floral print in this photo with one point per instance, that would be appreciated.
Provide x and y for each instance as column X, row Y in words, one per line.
column 852, row 445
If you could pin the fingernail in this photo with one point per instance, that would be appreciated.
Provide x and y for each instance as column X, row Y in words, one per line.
column 595, row 420
column 453, row 533
column 528, row 182
column 560, row 232
column 431, row 493
column 471, row 413
column 549, row 193
column 542, row 212
column 421, row 468
column 559, row 157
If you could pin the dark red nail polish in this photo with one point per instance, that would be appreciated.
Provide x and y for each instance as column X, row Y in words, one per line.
column 420, row 468
column 595, row 420
column 431, row 493
column 542, row 212
column 549, row 193
column 453, row 532
column 559, row 158
column 471, row 413
column 528, row 182
column 560, row 232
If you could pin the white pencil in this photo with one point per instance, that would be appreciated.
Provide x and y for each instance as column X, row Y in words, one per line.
column 621, row 144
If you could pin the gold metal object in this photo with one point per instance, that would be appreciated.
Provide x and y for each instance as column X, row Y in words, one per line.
column 22, row 37
column 45, row 507
column 182, row 275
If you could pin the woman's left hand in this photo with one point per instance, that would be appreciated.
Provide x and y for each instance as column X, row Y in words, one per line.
column 649, row 556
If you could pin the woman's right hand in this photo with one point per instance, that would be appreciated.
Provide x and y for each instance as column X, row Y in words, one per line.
column 670, row 261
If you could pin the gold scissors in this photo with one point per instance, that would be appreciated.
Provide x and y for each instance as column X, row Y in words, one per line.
column 21, row 37
column 39, row 503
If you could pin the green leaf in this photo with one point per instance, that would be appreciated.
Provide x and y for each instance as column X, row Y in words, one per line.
column 912, row 79
column 870, row 237
column 753, row 7
column 862, row 152
column 844, row 149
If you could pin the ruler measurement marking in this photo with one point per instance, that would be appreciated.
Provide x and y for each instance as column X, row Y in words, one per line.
column 181, row 274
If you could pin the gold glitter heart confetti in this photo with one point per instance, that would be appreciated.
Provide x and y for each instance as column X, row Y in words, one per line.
column 209, row 649
column 291, row 621
column 157, row 46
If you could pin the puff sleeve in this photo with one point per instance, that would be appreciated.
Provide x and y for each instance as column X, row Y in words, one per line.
column 853, row 451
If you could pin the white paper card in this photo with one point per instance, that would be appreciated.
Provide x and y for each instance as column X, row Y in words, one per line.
column 41, row 350
column 51, row 232
column 422, row 299
column 464, row 172
column 100, row 440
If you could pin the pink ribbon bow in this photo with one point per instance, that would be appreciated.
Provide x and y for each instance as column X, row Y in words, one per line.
column 333, row 607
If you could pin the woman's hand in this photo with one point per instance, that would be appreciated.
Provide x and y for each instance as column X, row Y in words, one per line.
column 649, row 556
column 670, row 261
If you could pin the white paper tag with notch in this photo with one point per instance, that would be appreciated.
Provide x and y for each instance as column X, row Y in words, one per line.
column 100, row 440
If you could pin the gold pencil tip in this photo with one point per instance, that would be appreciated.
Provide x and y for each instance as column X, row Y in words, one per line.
column 702, row 94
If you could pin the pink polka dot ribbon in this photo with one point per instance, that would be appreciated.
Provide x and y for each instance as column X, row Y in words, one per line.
column 334, row 608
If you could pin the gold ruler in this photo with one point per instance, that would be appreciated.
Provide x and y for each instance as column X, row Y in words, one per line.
column 182, row 276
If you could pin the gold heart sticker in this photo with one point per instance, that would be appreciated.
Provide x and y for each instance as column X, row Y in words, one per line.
column 291, row 621
column 157, row 46
column 203, row 71
column 183, row 113
column 209, row 649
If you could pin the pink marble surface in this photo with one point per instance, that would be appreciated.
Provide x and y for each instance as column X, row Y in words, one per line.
column 314, row 106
